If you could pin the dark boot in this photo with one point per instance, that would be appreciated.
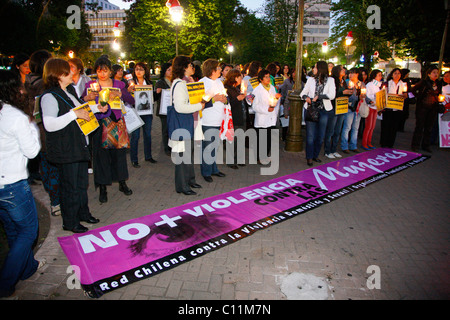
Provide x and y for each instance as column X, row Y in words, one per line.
column 103, row 194
column 124, row 188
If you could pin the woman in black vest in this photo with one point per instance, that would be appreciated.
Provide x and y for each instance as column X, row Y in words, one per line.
column 66, row 144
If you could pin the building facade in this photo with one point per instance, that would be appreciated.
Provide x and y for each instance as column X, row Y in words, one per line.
column 102, row 25
column 316, row 27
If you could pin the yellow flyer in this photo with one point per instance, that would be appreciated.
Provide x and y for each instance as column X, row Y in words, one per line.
column 115, row 103
column 381, row 100
column 254, row 82
column 395, row 101
column 87, row 126
column 196, row 92
column 279, row 81
column 341, row 105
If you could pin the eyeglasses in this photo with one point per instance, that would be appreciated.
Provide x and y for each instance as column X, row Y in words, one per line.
column 139, row 69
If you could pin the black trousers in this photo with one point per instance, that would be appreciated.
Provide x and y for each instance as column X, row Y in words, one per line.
column 73, row 183
column 268, row 137
column 184, row 175
column 389, row 127
column 110, row 165
column 425, row 118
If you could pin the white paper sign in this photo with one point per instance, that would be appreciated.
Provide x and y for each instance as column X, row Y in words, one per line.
column 165, row 101
column 132, row 119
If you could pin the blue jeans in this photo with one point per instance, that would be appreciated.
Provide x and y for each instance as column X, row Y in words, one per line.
column 19, row 216
column 351, row 126
column 315, row 135
column 135, row 136
column 330, row 130
column 334, row 139
column 209, row 166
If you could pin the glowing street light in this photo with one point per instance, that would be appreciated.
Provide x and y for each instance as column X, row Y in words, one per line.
column 176, row 12
column 116, row 29
column 230, row 49
column 348, row 42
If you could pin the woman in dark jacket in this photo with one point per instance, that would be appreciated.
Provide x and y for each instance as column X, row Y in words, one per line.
column 66, row 143
column 110, row 164
column 164, row 83
column 233, row 84
column 426, row 92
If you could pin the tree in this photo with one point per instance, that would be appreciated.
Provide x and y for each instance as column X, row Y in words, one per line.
column 351, row 15
column 41, row 25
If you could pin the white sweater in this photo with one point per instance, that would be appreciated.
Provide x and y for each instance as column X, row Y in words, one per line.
column 214, row 115
column 264, row 118
column 19, row 141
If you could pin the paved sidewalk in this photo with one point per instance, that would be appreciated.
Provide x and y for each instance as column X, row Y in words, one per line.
column 400, row 225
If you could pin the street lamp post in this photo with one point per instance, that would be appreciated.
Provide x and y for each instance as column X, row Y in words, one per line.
column 348, row 42
column 325, row 49
column 294, row 139
column 230, row 50
column 176, row 12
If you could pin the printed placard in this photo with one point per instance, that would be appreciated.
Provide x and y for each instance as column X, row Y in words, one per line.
column 87, row 126
column 115, row 103
column 381, row 99
column 143, row 97
column 395, row 101
column 341, row 105
column 196, row 92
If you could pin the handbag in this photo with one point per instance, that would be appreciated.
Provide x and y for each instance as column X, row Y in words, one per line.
column 363, row 109
column 176, row 120
column 312, row 112
column 114, row 134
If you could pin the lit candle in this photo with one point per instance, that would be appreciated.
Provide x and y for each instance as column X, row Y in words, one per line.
column 206, row 98
column 95, row 86
column 363, row 90
column 272, row 101
column 104, row 97
column 405, row 88
column 350, row 84
column 243, row 87
column 224, row 92
column 441, row 98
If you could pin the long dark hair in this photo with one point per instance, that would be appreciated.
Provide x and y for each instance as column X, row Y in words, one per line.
column 322, row 71
column 180, row 63
column 146, row 74
column 11, row 91
column 336, row 74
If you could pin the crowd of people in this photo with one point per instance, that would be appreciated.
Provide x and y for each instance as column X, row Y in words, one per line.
column 40, row 136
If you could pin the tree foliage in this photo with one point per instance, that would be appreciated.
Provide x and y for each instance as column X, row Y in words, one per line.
column 31, row 25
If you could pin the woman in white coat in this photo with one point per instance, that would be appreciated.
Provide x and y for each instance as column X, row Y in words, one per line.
column 184, row 169
column 266, row 107
column 320, row 90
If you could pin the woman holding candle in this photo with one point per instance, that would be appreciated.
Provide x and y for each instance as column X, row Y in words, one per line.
column 236, row 95
column 427, row 93
column 66, row 144
column 318, row 92
column 141, row 77
column 213, row 116
column 109, row 164
column 184, row 170
column 352, row 117
column 373, row 87
column 266, row 108
column 392, row 117
column 335, row 122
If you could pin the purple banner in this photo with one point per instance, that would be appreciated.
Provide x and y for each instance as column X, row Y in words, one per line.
column 114, row 256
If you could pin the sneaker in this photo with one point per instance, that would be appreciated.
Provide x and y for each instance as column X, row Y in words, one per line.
column 337, row 155
column 41, row 264
column 330, row 156
column 55, row 210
